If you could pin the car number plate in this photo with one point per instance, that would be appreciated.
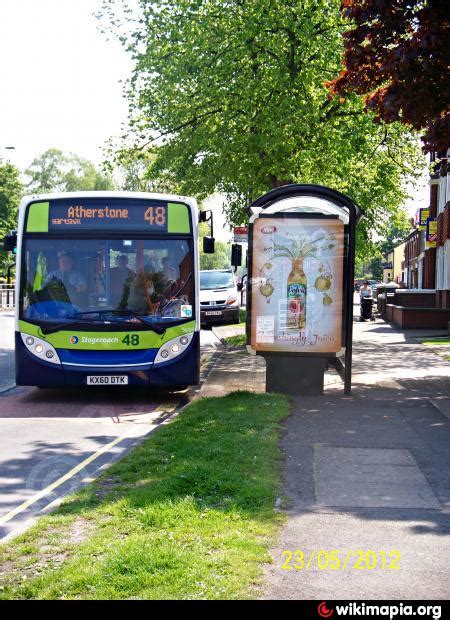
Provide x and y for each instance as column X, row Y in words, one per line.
column 107, row 380
column 213, row 313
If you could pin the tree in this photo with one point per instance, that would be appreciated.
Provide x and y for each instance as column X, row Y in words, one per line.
column 397, row 55
column 222, row 255
column 395, row 232
column 219, row 260
column 10, row 193
column 233, row 96
column 55, row 171
column 132, row 169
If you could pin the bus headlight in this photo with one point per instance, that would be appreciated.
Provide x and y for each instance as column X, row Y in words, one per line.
column 40, row 348
column 173, row 348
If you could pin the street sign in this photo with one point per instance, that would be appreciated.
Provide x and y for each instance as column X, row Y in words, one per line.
column 431, row 237
column 424, row 214
column 240, row 234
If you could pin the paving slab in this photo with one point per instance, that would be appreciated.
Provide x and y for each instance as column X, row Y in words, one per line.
column 368, row 477
column 235, row 370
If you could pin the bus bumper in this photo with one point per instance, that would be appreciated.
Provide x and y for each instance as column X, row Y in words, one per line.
column 183, row 370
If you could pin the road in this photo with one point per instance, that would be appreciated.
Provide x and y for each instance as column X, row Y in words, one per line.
column 6, row 349
column 53, row 441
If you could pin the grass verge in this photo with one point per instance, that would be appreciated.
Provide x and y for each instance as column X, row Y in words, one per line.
column 189, row 514
column 236, row 341
column 437, row 341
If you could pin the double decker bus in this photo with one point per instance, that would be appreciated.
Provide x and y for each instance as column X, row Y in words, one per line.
column 107, row 290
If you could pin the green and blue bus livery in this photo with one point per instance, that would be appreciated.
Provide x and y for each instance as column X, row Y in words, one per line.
column 107, row 290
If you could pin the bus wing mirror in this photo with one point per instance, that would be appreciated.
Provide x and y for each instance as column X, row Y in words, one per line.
column 207, row 216
column 236, row 255
column 10, row 242
column 208, row 245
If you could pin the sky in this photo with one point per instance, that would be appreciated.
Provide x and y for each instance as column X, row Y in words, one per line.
column 60, row 83
column 60, row 79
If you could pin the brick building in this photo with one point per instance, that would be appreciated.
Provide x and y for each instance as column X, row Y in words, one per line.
column 442, row 198
column 426, row 270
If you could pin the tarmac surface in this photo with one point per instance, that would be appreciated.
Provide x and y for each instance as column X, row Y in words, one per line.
column 52, row 441
column 7, row 378
column 368, row 476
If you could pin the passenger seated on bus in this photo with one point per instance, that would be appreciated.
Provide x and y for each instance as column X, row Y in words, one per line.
column 121, row 276
column 144, row 293
column 72, row 281
column 97, row 287
column 170, row 273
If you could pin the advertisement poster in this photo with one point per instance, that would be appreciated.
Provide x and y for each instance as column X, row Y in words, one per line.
column 424, row 214
column 431, row 232
column 297, row 285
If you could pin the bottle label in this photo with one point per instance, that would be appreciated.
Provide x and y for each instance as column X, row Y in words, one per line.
column 296, row 302
column 296, row 291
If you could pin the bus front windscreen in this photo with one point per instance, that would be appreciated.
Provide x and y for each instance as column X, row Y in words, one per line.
column 84, row 279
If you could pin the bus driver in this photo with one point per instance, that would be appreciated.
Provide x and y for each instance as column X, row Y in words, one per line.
column 73, row 282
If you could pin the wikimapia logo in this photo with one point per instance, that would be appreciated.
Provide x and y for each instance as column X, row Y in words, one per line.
column 356, row 609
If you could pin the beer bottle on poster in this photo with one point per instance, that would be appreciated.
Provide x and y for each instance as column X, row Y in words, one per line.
column 296, row 295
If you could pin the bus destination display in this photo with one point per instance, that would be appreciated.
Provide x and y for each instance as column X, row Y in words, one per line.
column 98, row 214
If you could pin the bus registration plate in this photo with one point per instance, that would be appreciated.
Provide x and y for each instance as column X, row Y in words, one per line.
column 107, row 380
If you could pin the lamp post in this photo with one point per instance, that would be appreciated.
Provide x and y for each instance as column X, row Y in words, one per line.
column 9, row 148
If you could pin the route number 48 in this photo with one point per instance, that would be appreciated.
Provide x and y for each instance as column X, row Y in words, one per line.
column 132, row 340
column 155, row 216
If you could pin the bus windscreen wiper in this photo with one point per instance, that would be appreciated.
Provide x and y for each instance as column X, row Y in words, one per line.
column 57, row 327
column 158, row 329
column 81, row 323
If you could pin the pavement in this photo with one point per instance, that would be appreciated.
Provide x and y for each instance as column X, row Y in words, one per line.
column 366, row 475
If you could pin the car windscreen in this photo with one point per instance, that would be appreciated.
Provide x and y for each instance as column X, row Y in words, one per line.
column 66, row 279
column 216, row 279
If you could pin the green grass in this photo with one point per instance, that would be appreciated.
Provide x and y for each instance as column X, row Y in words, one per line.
column 236, row 341
column 436, row 341
column 189, row 514
column 241, row 339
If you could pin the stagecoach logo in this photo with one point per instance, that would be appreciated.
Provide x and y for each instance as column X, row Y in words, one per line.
column 74, row 339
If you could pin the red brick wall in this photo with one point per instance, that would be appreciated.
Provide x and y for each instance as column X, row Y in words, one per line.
column 440, row 230
column 429, row 268
column 415, row 318
column 412, row 246
column 446, row 223
column 433, row 200
column 415, row 300
column 443, row 299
